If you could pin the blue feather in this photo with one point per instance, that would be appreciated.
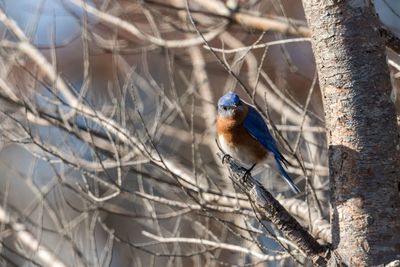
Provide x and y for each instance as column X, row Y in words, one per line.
column 256, row 126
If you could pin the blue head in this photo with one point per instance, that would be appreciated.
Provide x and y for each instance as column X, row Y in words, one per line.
column 229, row 104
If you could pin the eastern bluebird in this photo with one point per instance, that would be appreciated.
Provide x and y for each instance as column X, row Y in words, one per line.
column 244, row 135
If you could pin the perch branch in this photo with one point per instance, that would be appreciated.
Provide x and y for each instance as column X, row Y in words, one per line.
column 270, row 209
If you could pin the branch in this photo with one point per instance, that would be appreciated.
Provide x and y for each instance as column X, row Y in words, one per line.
column 320, row 227
column 391, row 40
column 111, row 127
column 261, row 23
column 204, row 90
column 42, row 253
column 267, row 24
column 133, row 30
column 270, row 209
column 214, row 244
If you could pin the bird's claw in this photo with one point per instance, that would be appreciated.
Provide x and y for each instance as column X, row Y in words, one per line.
column 247, row 174
column 225, row 157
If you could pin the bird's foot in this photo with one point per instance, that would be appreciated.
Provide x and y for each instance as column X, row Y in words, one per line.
column 226, row 157
column 247, row 174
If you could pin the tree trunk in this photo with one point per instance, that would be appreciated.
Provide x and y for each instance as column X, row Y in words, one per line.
column 361, row 122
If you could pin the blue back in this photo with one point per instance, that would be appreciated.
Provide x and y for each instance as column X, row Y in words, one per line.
column 257, row 128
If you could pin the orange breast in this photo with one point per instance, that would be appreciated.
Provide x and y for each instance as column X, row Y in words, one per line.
column 236, row 135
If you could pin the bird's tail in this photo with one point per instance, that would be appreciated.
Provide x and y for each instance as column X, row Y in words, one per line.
column 286, row 177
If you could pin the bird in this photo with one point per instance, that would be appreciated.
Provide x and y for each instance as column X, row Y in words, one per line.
column 244, row 135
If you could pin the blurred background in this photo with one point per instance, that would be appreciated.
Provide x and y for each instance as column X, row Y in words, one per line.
column 107, row 129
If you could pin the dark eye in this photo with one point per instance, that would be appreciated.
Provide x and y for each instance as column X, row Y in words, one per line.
column 225, row 108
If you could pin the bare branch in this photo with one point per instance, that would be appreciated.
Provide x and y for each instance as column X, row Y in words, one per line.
column 270, row 209
column 40, row 252
column 215, row 244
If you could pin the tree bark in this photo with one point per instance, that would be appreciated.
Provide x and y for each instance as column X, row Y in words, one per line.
column 268, row 208
column 361, row 122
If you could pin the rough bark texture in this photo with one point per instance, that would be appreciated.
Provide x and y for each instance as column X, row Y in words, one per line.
column 361, row 123
column 270, row 209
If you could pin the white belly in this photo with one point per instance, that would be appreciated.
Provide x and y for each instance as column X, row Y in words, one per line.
column 242, row 154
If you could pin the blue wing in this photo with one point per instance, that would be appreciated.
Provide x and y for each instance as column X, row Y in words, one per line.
column 255, row 125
